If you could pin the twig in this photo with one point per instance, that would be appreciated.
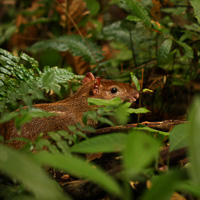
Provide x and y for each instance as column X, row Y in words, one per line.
column 166, row 126
column 140, row 100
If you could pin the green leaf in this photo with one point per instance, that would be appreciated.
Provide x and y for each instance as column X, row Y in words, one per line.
column 164, row 185
column 164, row 50
column 178, row 137
column 54, row 136
column 135, row 81
column 25, row 170
column 118, row 33
column 30, row 60
column 139, row 110
column 72, row 128
column 63, row 134
column 122, row 113
column 146, row 90
column 194, row 140
column 196, row 5
column 188, row 50
column 140, row 151
column 89, row 129
column 138, row 9
column 62, row 145
column 8, row 116
column 53, row 76
column 79, row 133
column 40, row 143
column 49, row 82
column 100, row 102
column 133, row 18
column 93, row 6
column 189, row 187
column 105, row 143
column 78, row 167
column 104, row 120
column 27, row 115
column 9, row 55
column 6, row 31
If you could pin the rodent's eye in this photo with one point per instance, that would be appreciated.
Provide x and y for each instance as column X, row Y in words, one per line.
column 114, row 90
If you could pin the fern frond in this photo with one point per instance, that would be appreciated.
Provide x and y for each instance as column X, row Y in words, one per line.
column 58, row 77
column 117, row 31
column 62, row 75
column 73, row 43
column 14, row 74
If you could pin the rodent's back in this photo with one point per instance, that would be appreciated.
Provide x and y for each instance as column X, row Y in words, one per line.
column 70, row 110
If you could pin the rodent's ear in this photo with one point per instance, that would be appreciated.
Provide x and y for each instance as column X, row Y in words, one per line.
column 96, row 85
column 89, row 77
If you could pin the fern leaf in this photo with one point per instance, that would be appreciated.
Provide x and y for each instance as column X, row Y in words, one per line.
column 60, row 76
column 14, row 75
column 117, row 33
column 75, row 44
column 138, row 9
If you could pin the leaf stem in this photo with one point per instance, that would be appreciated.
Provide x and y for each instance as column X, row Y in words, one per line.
column 140, row 99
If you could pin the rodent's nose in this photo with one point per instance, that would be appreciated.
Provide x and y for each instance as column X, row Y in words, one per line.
column 137, row 95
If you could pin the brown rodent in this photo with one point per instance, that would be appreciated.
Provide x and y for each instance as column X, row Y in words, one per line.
column 70, row 110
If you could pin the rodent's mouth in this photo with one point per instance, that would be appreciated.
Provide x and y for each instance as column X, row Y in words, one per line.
column 131, row 100
column 134, row 98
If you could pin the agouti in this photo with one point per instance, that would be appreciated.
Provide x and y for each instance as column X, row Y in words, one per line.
column 70, row 110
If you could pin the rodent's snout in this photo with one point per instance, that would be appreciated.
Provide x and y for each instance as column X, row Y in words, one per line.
column 135, row 96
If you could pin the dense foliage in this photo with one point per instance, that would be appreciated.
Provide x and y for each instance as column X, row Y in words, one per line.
column 53, row 43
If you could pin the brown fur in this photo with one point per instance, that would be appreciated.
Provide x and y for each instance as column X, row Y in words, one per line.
column 69, row 111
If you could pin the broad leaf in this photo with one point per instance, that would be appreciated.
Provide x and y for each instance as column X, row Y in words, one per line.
column 6, row 31
column 135, row 81
column 178, row 137
column 105, row 120
column 95, row 101
column 164, row 51
column 194, row 140
column 140, row 151
column 164, row 185
column 133, row 18
column 188, row 49
column 93, row 6
column 78, row 167
column 122, row 113
column 26, row 115
column 29, row 173
column 196, row 5
column 139, row 110
column 105, row 143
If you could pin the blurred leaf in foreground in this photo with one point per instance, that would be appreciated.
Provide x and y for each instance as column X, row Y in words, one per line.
column 194, row 140
column 30, row 174
column 78, row 167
